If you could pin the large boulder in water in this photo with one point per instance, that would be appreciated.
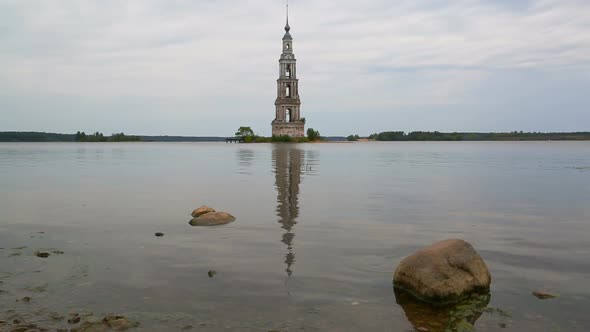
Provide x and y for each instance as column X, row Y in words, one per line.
column 201, row 211
column 212, row 219
column 443, row 272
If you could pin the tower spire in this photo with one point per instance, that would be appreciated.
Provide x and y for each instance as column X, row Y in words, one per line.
column 287, row 27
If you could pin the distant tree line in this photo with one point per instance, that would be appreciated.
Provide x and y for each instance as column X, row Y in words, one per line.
column 29, row 136
column 21, row 136
column 99, row 137
column 466, row 136
column 353, row 137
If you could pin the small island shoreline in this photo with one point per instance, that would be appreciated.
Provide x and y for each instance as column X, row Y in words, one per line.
column 388, row 136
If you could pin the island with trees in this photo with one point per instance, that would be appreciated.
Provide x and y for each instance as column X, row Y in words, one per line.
column 247, row 135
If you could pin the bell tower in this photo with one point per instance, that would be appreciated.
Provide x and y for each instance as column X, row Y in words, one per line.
column 288, row 120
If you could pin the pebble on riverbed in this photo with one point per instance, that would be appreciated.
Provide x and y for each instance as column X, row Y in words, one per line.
column 75, row 319
column 42, row 254
column 159, row 234
column 543, row 295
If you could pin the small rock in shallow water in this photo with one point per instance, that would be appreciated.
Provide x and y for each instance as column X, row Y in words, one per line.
column 75, row 319
column 119, row 323
column 57, row 252
column 211, row 273
column 543, row 295
column 159, row 234
column 443, row 272
column 212, row 219
column 201, row 211
column 26, row 299
column 42, row 254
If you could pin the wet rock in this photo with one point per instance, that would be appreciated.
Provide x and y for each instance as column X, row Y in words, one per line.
column 75, row 319
column 42, row 254
column 91, row 327
column 119, row 323
column 426, row 316
column 212, row 219
column 26, row 299
column 159, row 234
column 57, row 252
column 201, row 211
column 443, row 272
column 27, row 328
column 544, row 295
column 211, row 273
column 108, row 323
column 56, row 317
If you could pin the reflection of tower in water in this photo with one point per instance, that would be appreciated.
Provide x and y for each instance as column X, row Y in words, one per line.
column 287, row 163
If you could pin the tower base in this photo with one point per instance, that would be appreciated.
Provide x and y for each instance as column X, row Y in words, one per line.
column 291, row 129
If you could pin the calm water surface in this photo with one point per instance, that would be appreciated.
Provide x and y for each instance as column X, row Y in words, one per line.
column 320, row 229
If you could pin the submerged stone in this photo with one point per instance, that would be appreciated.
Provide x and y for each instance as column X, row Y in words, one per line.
column 544, row 295
column 119, row 323
column 443, row 272
column 159, row 234
column 212, row 219
column 108, row 323
column 42, row 254
column 459, row 316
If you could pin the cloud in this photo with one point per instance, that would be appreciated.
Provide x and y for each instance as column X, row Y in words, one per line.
column 219, row 58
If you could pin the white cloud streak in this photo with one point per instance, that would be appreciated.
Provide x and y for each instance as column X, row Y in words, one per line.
column 217, row 56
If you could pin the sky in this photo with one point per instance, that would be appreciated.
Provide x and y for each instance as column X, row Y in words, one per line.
column 205, row 68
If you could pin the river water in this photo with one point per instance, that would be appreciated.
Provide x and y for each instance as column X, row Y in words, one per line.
column 320, row 230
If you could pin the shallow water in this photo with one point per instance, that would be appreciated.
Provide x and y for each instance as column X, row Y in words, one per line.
column 320, row 229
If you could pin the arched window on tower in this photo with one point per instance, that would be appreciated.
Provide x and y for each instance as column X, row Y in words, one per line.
column 288, row 90
column 288, row 71
column 288, row 115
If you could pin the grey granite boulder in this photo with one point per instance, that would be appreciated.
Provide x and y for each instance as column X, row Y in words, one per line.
column 443, row 272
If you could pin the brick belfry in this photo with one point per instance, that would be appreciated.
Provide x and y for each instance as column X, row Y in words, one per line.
column 288, row 120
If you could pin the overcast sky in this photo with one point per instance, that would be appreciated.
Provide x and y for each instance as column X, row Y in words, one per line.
column 205, row 67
